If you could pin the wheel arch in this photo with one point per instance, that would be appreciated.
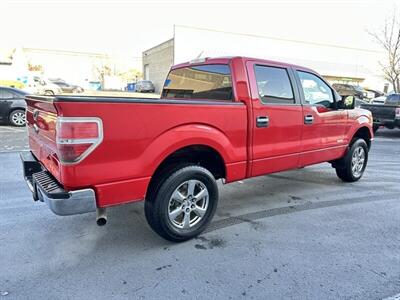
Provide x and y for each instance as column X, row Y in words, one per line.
column 12, row 109
column 364, row 132
column 197, row 137
column 197, row 144
column 198, row 154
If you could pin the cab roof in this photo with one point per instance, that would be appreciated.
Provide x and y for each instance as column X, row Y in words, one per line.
column 229, row 59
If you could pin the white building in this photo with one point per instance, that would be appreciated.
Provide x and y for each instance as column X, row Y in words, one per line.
column 337, row 63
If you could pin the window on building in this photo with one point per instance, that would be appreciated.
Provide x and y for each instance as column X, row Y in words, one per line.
column 211, row 82
column 316, row 91
column 273, row 85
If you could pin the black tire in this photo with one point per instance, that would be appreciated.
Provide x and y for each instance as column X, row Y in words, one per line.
column 345, row 170
column 375, row 128
column 17, row 118
column 158, row 202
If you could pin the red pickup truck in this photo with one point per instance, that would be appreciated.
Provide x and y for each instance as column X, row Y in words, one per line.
column 220, row 118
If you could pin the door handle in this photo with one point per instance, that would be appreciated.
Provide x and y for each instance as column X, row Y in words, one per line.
column 309, row 119
column 262, row 121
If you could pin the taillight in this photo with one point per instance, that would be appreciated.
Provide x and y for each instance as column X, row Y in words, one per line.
column 77, row 137
column 397, row 113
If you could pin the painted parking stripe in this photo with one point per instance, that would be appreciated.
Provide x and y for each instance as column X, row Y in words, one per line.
column 12, row 129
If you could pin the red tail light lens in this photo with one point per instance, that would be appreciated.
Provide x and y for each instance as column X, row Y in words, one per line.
column 76, row 138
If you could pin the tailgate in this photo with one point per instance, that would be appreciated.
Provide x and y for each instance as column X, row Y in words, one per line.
column 381, row 111
column 41, row 116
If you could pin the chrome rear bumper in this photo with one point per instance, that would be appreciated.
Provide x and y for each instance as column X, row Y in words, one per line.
column 46, row 188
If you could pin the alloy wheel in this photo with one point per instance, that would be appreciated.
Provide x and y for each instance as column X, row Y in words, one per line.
column 357, row 161
column 188, row 204
column 18, row 118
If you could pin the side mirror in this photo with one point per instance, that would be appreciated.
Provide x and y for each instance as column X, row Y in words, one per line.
column 347, row 102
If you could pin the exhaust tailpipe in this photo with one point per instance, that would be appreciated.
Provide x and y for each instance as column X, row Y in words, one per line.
column 101, row 218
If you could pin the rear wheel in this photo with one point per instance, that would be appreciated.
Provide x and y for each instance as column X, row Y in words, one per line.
column 182, row 202
column 352, row 166
column 49, row 93
column 17, row 117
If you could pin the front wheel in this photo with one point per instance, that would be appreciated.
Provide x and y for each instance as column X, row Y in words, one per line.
column 182, row 203
column 353, row 165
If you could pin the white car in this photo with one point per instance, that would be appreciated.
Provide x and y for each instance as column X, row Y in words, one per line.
column 41, row 86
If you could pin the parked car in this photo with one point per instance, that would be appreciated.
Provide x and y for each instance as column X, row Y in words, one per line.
column 68, row 88
column 386, row 114
column 221, row 118
column 144, row 86
column 350, row 90
column 43, row 86
column 12, row 106
column 371, row 94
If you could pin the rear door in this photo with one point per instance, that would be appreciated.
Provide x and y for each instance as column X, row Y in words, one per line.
column 323, row 134
column 278, row 118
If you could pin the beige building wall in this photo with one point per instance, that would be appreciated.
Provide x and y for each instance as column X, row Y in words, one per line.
column 157, row 62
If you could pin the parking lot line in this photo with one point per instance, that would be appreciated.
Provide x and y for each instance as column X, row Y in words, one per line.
column 12, row 129
column 13, row 151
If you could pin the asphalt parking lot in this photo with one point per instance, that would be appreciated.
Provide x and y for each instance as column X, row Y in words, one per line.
column 301, row 234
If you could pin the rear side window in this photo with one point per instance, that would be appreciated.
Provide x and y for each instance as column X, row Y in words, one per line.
column 273, row 85
column 211, row 82
column 7, row 95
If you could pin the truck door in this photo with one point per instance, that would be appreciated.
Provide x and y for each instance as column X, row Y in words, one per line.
column 323, row 135
column 278, row 119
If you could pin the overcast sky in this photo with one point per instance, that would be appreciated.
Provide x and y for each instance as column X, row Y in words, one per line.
column 129, row 27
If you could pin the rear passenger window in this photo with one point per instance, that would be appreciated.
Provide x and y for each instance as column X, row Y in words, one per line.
column 211, row 82
column 273, row 85
column 7, row 95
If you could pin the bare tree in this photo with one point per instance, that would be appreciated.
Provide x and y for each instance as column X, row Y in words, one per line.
column 389, row 39
column 101, row 68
